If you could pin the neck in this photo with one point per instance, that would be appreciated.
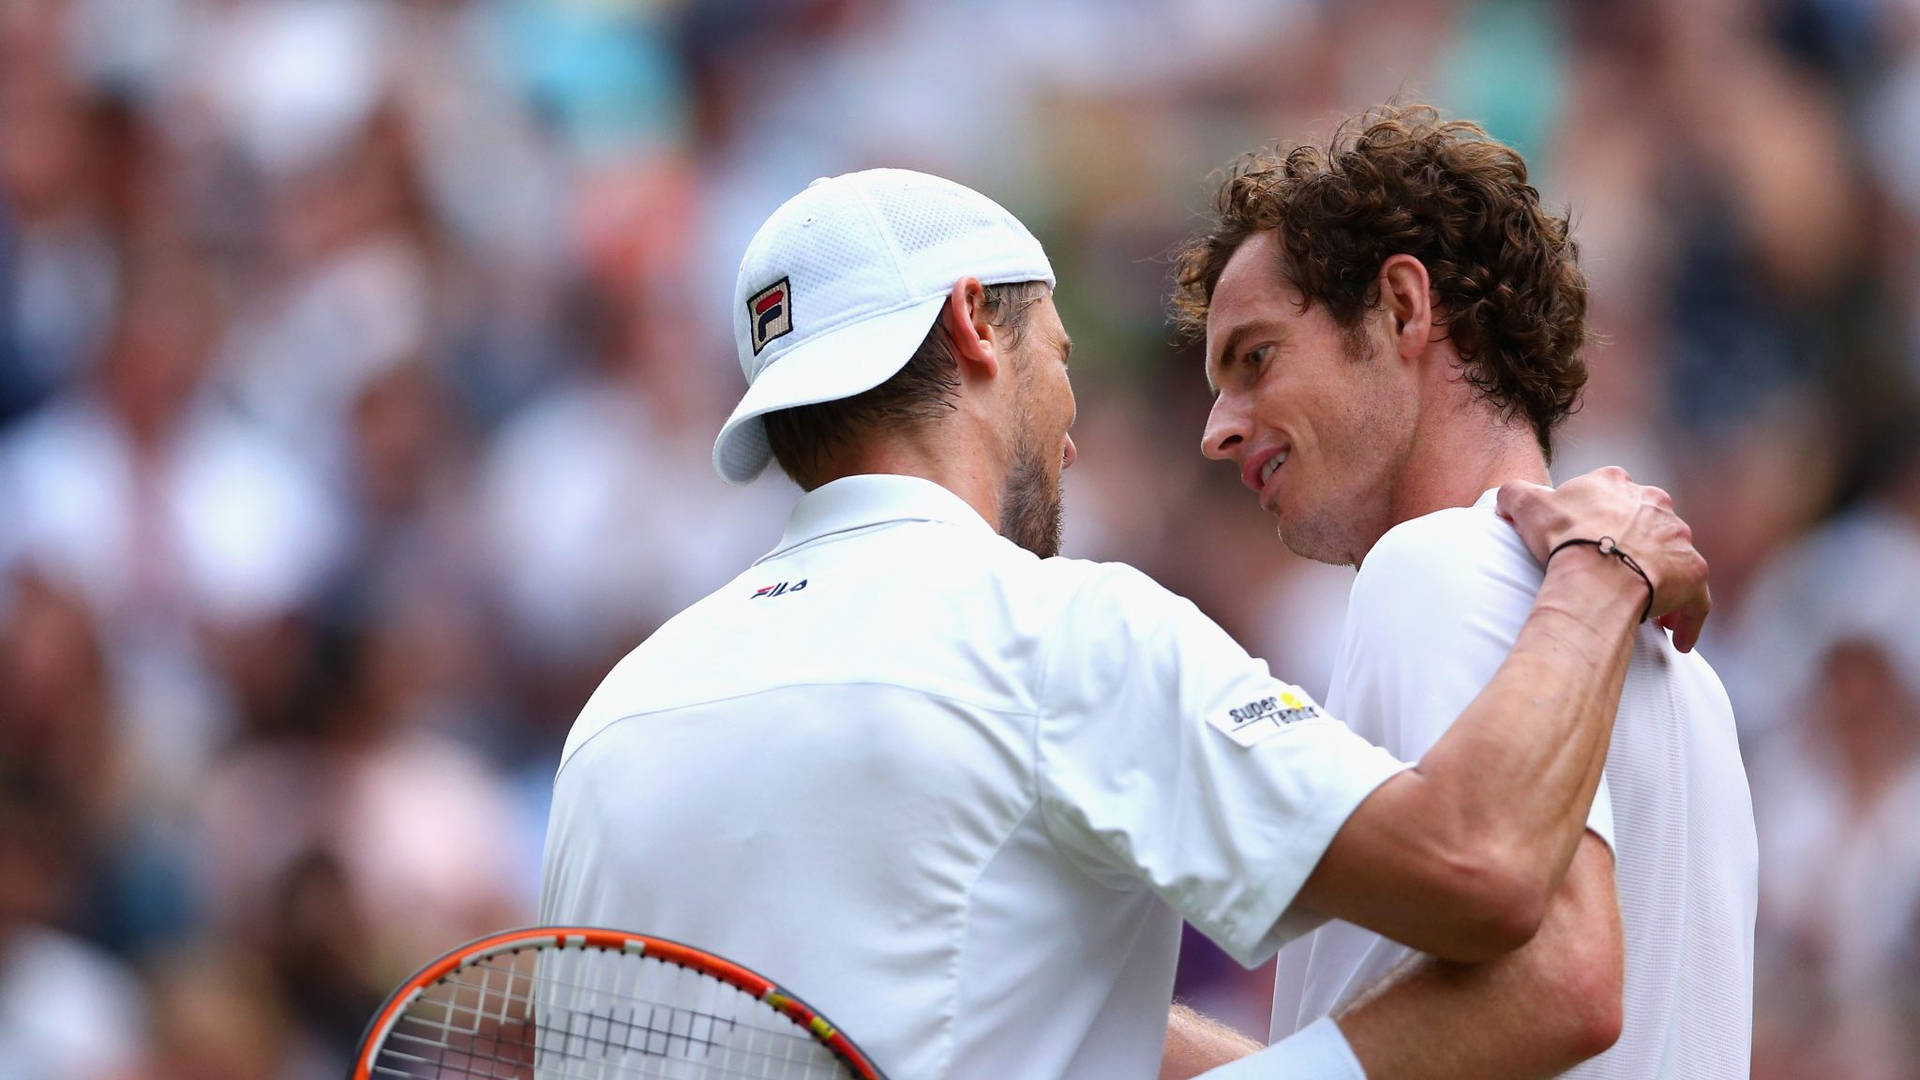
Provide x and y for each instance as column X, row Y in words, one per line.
column 1458, row 458
column 930, row 455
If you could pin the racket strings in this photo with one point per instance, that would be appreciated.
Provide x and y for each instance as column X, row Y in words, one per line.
column 669, row 1056
column 744, row 1008
column 734, row 1060
column 576, row 1014
column 656, row 1040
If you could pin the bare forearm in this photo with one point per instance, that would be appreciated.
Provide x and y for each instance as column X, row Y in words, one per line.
column 1196, row 1044
column 1523, row 761
column 1427, row 1038
column 1535, row 1012
column 1483, row 828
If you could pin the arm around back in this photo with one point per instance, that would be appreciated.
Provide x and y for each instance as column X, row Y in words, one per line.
column 1533, row 1013
column 1459, row 856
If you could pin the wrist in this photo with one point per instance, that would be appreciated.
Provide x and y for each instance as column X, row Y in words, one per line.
column 1595, row 590
column 1607, row 546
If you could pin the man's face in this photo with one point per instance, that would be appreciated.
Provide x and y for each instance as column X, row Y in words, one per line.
column 1038, row 440
column 1319, row 421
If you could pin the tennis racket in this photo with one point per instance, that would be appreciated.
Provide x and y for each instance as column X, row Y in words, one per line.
column 575, row 1003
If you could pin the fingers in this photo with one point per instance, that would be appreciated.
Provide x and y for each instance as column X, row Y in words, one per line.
column 1529, row 508
column 1686, row 600
column 1696, row 620
column 1685, row 628
column 1686, row 623
column 1687, row 633
column 1516, row 494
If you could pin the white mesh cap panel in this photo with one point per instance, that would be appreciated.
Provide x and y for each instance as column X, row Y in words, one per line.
column 937, row 226
column 842, row 283
column 828, row 246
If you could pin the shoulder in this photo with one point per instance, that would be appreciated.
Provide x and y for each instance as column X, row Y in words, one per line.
column 1452, row 557
column 1109, row 622
column 1104, row 599
column 1460, row 581
column 1460, row 541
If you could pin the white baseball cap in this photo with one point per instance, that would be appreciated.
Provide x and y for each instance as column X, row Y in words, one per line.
column 841, row 285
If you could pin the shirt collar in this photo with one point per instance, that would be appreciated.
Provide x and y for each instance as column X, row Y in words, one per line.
column 854, row 502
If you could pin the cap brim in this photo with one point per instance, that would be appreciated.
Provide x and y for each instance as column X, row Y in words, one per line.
column 839, row 364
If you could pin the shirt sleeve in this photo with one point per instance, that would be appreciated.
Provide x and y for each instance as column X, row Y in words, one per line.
column 1167, row 755
column 1436, row 608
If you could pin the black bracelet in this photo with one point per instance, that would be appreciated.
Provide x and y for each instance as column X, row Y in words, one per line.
column 1606, row 546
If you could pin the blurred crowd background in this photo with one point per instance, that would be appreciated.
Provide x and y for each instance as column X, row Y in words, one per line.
column 360, row 360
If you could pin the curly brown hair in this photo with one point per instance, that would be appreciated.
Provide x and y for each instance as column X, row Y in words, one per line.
column 1398, row 179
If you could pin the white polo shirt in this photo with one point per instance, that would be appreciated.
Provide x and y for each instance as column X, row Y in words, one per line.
column 956, row 796
column 1435, row 609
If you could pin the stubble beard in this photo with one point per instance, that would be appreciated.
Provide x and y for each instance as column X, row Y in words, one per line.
column 1316, row 537
column 1030, row 504
column 1339, row 528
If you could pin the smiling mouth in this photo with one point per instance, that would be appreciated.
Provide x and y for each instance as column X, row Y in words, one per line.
column 1273, row 464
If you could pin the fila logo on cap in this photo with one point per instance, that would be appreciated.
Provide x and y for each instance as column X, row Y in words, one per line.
column 770, row 314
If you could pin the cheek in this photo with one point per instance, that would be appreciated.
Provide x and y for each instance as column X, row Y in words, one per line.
column 1298, row 411
column 1064, row 409
column 1367, row 439
column 1340, row 440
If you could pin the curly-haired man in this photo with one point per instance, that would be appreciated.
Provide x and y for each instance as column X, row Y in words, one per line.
column 1393, row 326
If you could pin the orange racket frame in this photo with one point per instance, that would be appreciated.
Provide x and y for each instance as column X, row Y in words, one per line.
column 672, row 952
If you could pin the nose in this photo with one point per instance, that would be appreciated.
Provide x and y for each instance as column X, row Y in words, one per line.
column 1070, row 455
column 1226, row 433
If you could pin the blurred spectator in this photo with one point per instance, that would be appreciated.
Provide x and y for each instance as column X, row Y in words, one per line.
column 68, row 1011
column 58, row 256
column 1840, row 882
column 602, row 511
column 420, row 827
column 173, row 518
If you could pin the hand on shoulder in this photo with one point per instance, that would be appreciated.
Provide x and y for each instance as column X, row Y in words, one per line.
column 1642, row 524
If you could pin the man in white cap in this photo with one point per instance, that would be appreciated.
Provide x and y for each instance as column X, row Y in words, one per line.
column 960, row 793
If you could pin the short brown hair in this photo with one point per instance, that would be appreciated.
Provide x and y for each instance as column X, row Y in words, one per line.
column 924, row 389
column 1398, row 180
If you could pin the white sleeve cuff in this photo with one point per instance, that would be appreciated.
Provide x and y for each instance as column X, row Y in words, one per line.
column 1316, row 1052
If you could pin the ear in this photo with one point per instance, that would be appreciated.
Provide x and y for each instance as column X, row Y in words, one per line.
column 1404, row 293
column 965, row 320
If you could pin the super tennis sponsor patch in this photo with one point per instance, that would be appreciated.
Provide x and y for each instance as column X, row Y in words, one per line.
column 1264, row 717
